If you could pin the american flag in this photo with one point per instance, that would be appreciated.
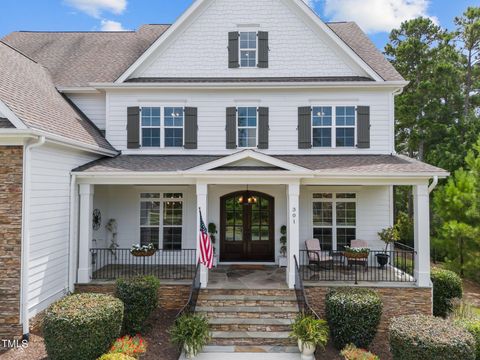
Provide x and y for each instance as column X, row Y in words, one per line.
column 206, row 249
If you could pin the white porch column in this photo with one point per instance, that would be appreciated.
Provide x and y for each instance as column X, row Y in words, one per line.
column 422, row 234
column 85, row 233
column 202, row 203
column 293, row 230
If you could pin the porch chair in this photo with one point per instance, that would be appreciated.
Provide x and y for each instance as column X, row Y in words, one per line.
column 318, row 259
column 360, row 261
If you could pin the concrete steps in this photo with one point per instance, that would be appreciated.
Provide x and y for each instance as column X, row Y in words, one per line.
column 249, row 318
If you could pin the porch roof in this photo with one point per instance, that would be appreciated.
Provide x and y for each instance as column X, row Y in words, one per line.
column 348, row 165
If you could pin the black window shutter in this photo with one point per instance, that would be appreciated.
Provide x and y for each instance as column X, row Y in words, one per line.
column 262, row 49
column 304, row 127
column 263, row 128
column 363, row 127
column 233, row 49
column 191, row 128
column 231, row 128
column 133, row 127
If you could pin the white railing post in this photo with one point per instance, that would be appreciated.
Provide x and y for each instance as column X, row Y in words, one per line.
column 85, row 233
column 422, row 234
column 293, row 231
column 202, row 204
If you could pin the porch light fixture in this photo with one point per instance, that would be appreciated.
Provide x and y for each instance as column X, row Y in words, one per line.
column 248, row 199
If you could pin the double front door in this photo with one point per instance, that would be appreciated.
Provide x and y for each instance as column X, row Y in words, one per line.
column 247, row 227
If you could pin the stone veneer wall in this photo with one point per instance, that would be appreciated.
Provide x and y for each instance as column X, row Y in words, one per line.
column 11, row 181
column 170, row 297
column 396, row 301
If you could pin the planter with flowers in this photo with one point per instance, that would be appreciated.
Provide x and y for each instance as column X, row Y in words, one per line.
column 356, row 253
column 143, row 250
column 133, row 346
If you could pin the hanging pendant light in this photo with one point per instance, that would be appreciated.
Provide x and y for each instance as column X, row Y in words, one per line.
column 248, row 199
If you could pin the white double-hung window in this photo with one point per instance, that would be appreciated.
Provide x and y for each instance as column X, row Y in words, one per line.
column 333, row 126
column 162, row 127
column 247, row 127
column 334, row 219
column 248, row 49
column 161, row 220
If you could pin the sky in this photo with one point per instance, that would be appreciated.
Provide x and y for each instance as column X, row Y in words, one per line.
column 375, row 17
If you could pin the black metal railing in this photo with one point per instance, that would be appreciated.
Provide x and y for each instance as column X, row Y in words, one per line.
column 302, row 300
column 109, row 264
column 190, row 306
column 378, row 266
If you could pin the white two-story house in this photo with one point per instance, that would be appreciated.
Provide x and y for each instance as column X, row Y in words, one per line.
column 255, row 112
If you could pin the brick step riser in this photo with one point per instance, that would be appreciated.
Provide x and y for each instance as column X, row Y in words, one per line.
column 247, row 292
column 252, row 342
column 249, row 327
column 220, row 303
column 250, row 315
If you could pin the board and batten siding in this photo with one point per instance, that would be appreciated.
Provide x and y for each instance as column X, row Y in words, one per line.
column 50, row 223
column 298, row 47
column 92, row 105
column 283, row 116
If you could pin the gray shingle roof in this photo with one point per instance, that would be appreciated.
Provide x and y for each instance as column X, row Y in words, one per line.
column 345, row 164
column 359, row 42
column 5, row 124
column 27, row 89
column 147, row 163
column 79, row 58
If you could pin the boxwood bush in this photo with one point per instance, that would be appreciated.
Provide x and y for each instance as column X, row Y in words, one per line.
column 82, row 326
column 140, row 297
column 472, row 325
column 447, row 286
column 420, row 337
column 353, row 315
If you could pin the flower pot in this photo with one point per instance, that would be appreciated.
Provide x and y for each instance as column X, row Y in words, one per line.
column 382, row 260
column 307, row 350
column 189, row 353
column 141, row 253
column 355, row 255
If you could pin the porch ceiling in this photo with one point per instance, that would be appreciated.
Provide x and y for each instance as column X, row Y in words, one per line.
column 350, row 166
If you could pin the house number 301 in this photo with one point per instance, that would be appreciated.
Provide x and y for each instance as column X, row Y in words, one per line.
column 294, row 215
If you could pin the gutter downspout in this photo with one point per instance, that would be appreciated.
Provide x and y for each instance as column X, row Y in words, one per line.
column 433, row 185
column 25, row 256
column 73, row 233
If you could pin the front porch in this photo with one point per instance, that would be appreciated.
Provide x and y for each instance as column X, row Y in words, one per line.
column 252, row 209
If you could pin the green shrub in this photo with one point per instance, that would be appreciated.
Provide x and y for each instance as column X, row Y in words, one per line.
column 473, row 327
column 117, row 356
column 420, row 337
column 82, row 326
column 353, row 315
column 140, row 297
column 447, row 286
column 190, row 331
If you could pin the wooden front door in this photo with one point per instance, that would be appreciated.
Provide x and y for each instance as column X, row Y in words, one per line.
column 247, row 230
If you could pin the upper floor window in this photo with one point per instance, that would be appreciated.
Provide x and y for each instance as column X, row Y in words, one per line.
column 345, row 126
column 248, row 49
column 247, row 127
column 333, row 126
column 162, row 127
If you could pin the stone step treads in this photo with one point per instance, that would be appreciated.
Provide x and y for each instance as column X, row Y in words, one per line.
column 248, row 292
column 245, row 324
column 265, row 349
column 244, row 338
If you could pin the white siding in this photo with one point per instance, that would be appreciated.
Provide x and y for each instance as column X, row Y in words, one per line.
column 283, row 106
column 50, row 223
column 298, row 47
column 92, row 105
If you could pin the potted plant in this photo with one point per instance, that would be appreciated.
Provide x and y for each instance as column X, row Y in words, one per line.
column 143, row 250
column 212, row 231
column 282, row 260
column 388, row 236
column 309, row 333
column 192, row 332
